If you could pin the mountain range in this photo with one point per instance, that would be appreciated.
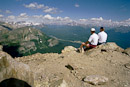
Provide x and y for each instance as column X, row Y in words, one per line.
column 25, row 40
column 21, row 39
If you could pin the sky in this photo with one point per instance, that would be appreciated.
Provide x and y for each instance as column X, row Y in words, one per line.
column 83, row 10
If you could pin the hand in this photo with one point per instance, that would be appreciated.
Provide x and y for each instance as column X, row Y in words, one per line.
column 83, row 43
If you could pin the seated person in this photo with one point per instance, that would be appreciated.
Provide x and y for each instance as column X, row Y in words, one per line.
column 92, row 41
column 102, row 36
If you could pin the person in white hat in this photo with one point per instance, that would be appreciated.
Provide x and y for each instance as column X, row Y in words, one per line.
column 92, row 41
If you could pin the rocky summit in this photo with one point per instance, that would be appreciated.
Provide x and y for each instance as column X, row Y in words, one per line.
column 106, row 65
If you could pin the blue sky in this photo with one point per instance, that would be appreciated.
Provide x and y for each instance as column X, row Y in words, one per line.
column 116, row 10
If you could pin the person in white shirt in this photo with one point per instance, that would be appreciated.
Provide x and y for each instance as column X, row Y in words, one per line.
column 102, row 36
column 92, row 41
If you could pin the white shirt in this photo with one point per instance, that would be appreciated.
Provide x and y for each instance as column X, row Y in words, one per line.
column 93, row 39
column 102, row 37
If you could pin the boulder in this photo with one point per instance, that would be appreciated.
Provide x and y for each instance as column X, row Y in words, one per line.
column 127, row 51
column 95, row 79
column 10, row 68
column 110, row 46
column 69, row 49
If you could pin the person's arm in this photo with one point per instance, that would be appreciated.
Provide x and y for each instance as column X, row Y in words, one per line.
column 89, row 40
column 98, row 37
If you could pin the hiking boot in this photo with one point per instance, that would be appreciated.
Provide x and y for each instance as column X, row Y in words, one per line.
column 80, row 50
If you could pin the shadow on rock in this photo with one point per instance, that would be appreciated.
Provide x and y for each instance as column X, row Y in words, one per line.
column 12, row 50
column 12, row 82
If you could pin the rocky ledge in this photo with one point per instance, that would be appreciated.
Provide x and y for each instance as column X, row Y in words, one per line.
column 104, row 66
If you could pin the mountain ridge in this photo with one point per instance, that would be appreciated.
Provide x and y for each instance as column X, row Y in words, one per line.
column 26, row 40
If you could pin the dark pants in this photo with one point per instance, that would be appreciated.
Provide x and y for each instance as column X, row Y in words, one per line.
column 101, row 43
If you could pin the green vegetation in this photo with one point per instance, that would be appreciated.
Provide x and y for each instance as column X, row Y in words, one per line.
column 26, row 41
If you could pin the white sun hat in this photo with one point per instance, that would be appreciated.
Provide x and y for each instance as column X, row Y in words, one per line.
column 93, row 29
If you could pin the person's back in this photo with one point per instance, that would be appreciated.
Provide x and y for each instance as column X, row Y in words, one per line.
column 93, row 39
column 102, row 36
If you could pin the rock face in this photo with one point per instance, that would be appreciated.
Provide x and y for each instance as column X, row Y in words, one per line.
column 127, row 51
column 10, row 68
column 96, row 79
column 26, row 40
column 53, row 42
column 69, row 49
column 110, row 46
column 27, row 46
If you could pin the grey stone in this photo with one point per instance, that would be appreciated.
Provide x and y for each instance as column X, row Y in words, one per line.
column 10, row 68
column 95, row 79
